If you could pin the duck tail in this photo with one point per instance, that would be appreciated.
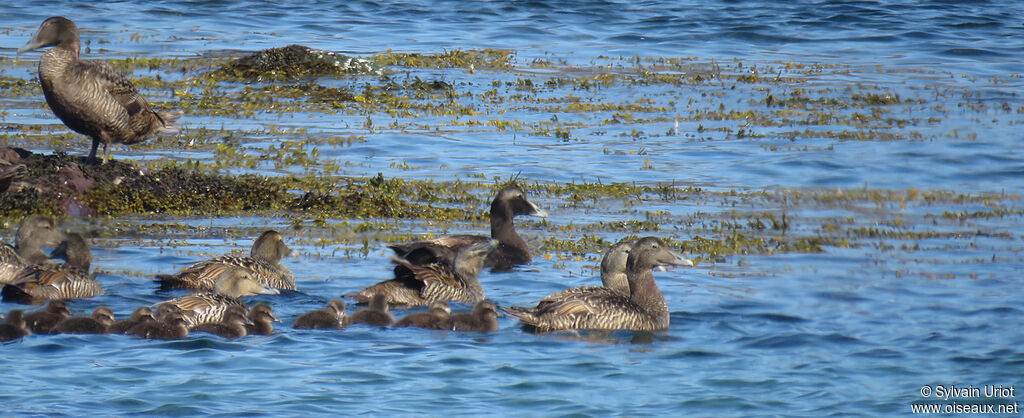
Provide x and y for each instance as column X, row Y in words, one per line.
column 170, row 281
column 12, row 293
column 523, row 313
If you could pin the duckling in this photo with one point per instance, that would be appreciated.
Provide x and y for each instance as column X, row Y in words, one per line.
column 644, row 309
column 263, row 263
column 171, row 327
column 375, row 314
column 437, row 281
column 97, row 323
column 232, row 326
column 139, row 315
column 262, row 317
column 43, row 321
column 436, row 317
column 91, row 97
column 70, row 280
column 512, row 249
column 34, row 232
column 330, row 317
column 483, row 318
column 14, row 326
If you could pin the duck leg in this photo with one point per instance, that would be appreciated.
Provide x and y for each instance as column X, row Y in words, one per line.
column 92, row 152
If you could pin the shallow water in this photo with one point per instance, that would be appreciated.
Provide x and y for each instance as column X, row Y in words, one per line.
column 856, row 329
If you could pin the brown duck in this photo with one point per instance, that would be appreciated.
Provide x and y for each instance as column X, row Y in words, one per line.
column 91, row 97
column 263, row 263
column 33, row 233
column 71, row 280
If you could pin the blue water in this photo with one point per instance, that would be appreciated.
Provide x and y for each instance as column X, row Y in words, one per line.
column 853, row 330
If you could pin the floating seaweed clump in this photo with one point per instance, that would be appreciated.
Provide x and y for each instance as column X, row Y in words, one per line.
column 294, row 61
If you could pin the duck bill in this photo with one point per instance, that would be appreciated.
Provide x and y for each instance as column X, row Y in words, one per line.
column 537, row 211
column 32, row 45
column 268, row 291
column 677, row 260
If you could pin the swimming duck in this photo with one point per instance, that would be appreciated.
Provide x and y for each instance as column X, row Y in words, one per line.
column 231, row 326
column 483, row 318
column 43, row 321
column 199, row 308
column 97, row 323
column 375, row 314
column 613, row 275
column 262, row 317
column 264, row 263
column 9, row 172
column 512, row 250
column 602, row 308
column 238, row 282
column 70, row 280
column 91, row 97
column 172, row 327
column 14, row 326
column 139, row 315
column 434, row 318
column 330, row 317
column 34, row 232
column 423, row 284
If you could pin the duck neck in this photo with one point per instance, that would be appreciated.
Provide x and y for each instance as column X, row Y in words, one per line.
column 503, row 228
column 644, row 292
column 56, row 60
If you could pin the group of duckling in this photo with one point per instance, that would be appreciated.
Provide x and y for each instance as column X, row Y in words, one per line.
column 94, row 99
column 430, row 273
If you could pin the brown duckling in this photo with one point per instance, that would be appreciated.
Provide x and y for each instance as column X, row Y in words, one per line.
column 375, row 314
column 14, row 326
column 97, row 323
column 483, row 318
column 232, row 326
column 91, row 97
column 423, row 284
column 434, row 318
column 171, row 327
column 263, row 263
column 139, row 315
column 644, row 309
column 512, row 249
column 43, row 321
column 262, row 317
column 333, row 316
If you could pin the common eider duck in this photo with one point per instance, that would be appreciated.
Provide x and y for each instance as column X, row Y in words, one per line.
column 613, row 275
column 171, row 327
column 436, row 317
column 262, row 317
column 33, row 233
column 264, row 263
column 14, row 326
column 200, row 308
column 9, row 173
column 333, row 316
column 512, row 249
column 483, row 318
column 70, row 280
column 237, row 282
column 232, row 325
column 43, row 321
column 423, row 284
column 376, row 314
column 91, row 97
column 97, row 323
column 139, row 315
column 601, row 308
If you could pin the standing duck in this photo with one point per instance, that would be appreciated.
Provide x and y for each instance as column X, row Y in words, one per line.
column 422, row 284
column 91, row 97
column 644, row 309
column 512, row 249
column 483, row 318
column 330, row 317
column 264, row 263
column 434, row 318
column 34, row 232
column 376, row 314
column 14, row 326
column 70, row 280
column 97, row 323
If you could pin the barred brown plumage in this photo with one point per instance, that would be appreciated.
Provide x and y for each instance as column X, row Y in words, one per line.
column 421, row 285
column 592, row 307
column 70, row 280
column 34, row 232
column 202, row 308
column 263, row 263
column 90, row 97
